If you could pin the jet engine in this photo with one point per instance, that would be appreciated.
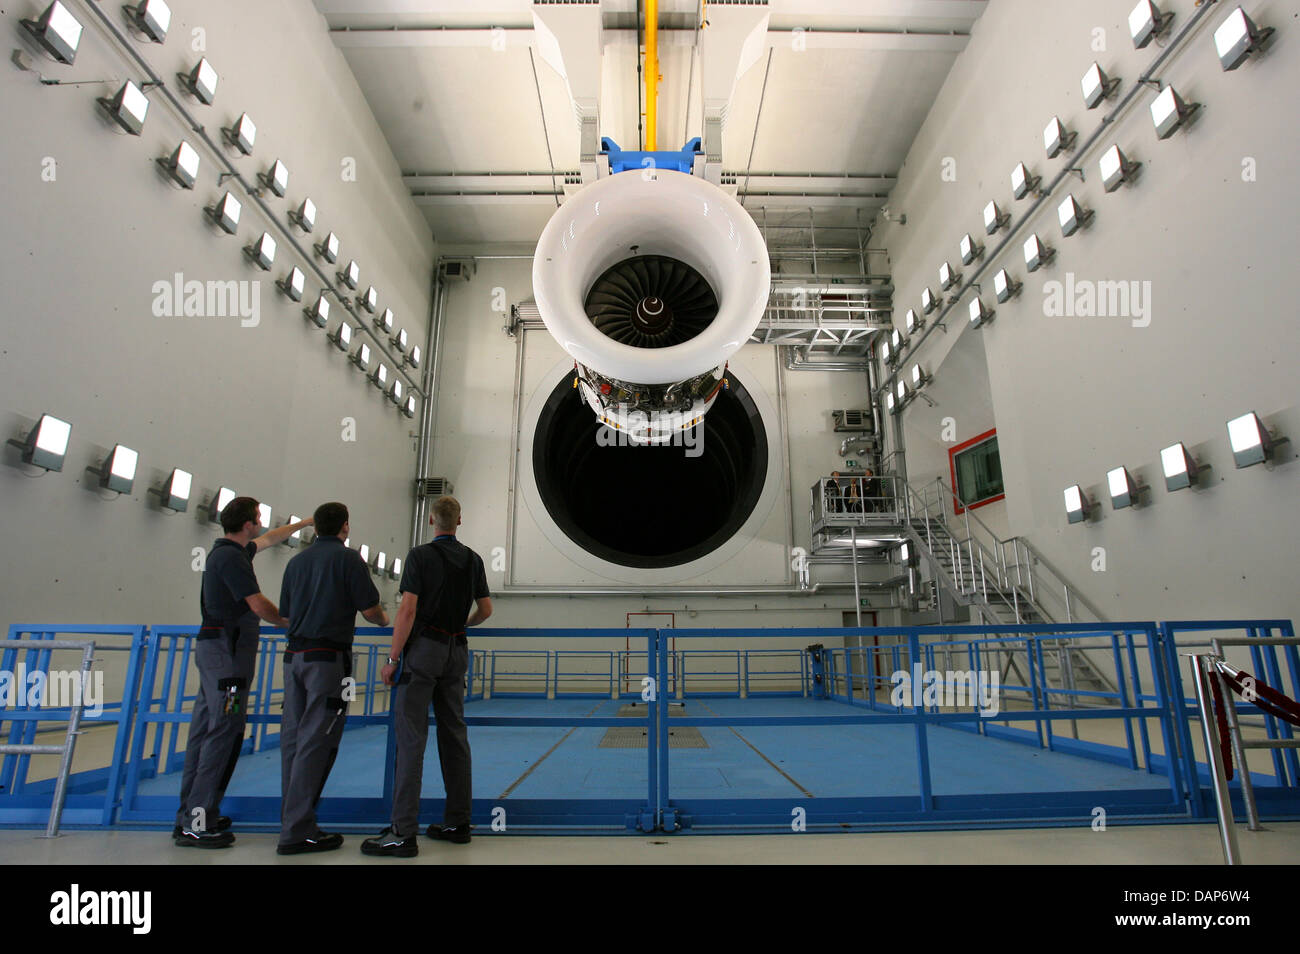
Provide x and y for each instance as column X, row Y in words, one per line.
column 651, row 280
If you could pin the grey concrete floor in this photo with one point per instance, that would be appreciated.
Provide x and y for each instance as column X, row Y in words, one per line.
column 1118, row 845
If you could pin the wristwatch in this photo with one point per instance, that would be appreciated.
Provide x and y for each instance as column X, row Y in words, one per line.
column 392, row 661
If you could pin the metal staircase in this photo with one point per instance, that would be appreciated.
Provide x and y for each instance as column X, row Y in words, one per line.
column 1004, row 582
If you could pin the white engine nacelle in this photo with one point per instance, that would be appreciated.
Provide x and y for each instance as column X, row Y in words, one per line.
column 651, row 281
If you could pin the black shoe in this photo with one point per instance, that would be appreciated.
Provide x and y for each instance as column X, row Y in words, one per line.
column 204, row 839
column 323, row 841
column 458, row 835
column 223, row 824
column 390, row 845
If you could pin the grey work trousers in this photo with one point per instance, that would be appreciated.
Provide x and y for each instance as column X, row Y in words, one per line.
column 315, row 711
column 216, row 735
column 433, row 672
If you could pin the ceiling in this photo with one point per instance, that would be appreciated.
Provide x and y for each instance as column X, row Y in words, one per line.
column 819, row 99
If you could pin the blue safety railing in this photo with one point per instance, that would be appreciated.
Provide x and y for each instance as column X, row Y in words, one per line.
column 1148, row 706
column 92, row 796
column 1271, row 791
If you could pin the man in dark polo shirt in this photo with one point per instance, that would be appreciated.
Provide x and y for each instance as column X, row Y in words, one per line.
column 324, row 588
column 226, row 654
column 440, row 582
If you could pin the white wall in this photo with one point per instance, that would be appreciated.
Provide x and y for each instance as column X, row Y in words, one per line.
column 258, row 408
column 472, row 447
column 1073, row 397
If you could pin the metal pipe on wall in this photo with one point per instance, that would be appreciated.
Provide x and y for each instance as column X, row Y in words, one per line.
column 429, row 405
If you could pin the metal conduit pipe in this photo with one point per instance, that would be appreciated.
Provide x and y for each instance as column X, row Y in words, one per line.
column 156, row 81
column 429, row 400
column 792, row 365
column 1045, row 194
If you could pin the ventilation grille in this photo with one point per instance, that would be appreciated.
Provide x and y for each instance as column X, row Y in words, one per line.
column 433, row 487
column 853, row 419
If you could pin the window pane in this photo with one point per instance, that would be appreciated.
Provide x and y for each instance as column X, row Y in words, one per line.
column 979, row 472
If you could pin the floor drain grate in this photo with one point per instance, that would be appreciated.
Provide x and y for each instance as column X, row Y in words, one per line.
column 685, row 737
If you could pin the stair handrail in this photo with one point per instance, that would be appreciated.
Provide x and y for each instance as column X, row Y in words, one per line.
column 1022, row 573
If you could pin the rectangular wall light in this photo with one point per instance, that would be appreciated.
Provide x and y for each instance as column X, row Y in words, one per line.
column 182, row 166
column 414, row 357
column 293, row 284
column 328, row 248
column 57, row 31
column 928, row 303
column 1022, row 183
column 262, row 252
column 304, row 216
column 1097, row 86
column 1116, row 168
column 225, row 214
column 370, row 300
column 970, row 249
column 396, row 392
column 994, row 218
column 276, row 178
column 319, row 313
column 1004, row 286
column 396, row 570
column 243, row 134
column 128, row 107
column 219, row 502
column 47, row 443
column 409, row 407
column 264, row 516
column 400, row 340
column 152, row 18
column 1146, row 22
column 175, row 492
column 1180, row 469
column 979, row 315
column 912, row 323
column 342, row 338
column 201, row 82
column 1056, row 138
column 1250, row 439
column 1072, row 216
column 294, row 539
column 1037, row 254
column 351, row 274
column 1169, row 112
column 947, row 277
column 385, row 321
column 118, row 474
column 1077, row 504
column 1124, row 490
column 380, row 377
column 362, row 356
column 1237, row 37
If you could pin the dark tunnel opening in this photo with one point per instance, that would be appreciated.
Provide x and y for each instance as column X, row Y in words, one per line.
column 650, row 506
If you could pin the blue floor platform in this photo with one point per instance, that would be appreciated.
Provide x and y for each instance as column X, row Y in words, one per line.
column 799, row 740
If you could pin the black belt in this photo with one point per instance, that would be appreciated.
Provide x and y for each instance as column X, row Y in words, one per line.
column 429, row 631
